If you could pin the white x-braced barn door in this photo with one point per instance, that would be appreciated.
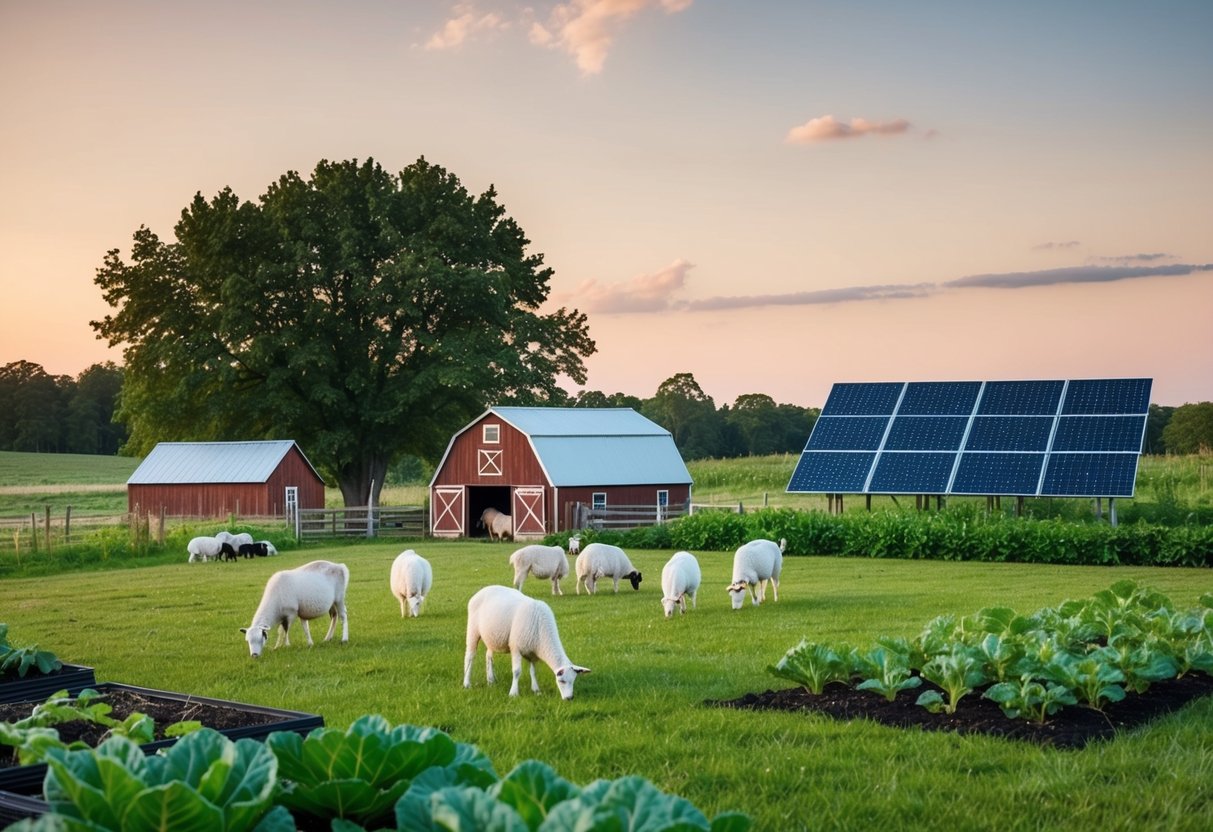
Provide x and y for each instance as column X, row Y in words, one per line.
column 446, row 511
column 529, row 517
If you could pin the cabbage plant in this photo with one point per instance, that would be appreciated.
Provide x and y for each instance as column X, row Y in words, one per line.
column 814, row 666
column 1029, row 698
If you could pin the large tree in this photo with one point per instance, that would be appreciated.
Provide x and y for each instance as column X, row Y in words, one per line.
column 363, row 313
column 1190, row 429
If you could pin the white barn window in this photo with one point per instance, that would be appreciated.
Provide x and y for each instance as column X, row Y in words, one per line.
column 491, row 434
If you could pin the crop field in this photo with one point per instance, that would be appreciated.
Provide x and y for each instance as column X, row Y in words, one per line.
column 643, row 710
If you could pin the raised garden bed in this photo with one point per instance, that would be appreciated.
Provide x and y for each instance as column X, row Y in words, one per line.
column 38, row 686
column 235, row 720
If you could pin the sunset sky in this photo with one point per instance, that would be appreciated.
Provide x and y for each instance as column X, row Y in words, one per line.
column 773, row 196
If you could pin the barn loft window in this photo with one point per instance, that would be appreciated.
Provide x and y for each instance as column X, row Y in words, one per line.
column 492, row 434
column 490, row 462
column 598, row 500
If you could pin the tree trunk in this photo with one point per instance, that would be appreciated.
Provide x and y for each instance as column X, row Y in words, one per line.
column 355, row 480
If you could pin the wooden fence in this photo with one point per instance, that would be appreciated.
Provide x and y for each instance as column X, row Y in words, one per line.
column 362, row 521
column 622, row 518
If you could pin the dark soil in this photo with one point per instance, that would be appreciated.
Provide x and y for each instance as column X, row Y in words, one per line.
column 1071, row 727
column 125, row 702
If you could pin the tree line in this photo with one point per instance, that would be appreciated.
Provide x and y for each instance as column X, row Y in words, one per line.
column 60, row 414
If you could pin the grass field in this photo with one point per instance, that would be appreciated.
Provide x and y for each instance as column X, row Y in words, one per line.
column 642, row 708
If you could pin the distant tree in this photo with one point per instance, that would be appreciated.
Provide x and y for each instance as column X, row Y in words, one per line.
column 90, row 426
column 1156, row 423
column 1190, row 430
column 763, row 427
column 596, row 398
column 689, row 414
column 365, row 314
column 32, row 406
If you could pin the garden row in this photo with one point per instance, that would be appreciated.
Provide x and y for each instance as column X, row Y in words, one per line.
column 950, row 535
column 1086, row 652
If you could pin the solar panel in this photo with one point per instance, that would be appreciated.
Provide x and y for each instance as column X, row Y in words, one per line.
column 981, row 438
column 1090, row 475
column 1010, row 433
column 1002, row 474
column 926, row 433
column 831, row 472
column 863, row 399
column 847, row 433
column 939, row 398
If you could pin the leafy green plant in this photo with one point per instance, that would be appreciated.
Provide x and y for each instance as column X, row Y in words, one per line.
column 958, row 672
column 1140, row 664
column 885, row 671
column 359, row 773
column 1002, row 658
column 204, row 782
column 1029, row 698
column 1092, row 680
column 813, row 665
column 19, row 661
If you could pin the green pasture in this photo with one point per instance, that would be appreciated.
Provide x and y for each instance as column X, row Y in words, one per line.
column 642, row 710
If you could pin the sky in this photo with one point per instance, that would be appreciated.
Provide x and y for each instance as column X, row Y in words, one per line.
column 772, row 196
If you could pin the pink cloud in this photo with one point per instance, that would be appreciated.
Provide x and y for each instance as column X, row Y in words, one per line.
column 464, row 22
column 827, row 127
column 650, row 292
column 586, row 29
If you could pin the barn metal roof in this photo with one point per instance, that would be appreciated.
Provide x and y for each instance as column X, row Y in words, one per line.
column 172, row 463
column 594, row 446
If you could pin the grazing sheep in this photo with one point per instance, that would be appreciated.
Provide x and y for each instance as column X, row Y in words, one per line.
column 505, row 619
column 305, row 592
column 754, row 564
column 602, row 560
column 248, row 550
column 208, row 548
column 269, row 547
column 542, row 562
column 574, row 544
column 680, row 577
column 411, row 580
column 499, row 525
column 237, row 540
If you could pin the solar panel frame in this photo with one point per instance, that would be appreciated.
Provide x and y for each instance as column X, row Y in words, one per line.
column 926, row 433
column 911, row 472
column 939, row 398
column 848, row 433
column 1013, row 474
column 1010, row 433
column 855, row 465
column 1099, row 433
column 877, row 398
column 1089, row 475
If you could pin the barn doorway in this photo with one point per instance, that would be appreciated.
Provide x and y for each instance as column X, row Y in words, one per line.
column 482, row 497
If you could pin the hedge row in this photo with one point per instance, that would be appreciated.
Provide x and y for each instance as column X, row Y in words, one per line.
column 946, row 535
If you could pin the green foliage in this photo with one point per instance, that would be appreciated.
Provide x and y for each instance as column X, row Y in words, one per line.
column 1190, row 429
column 1090, row 678
column 958, row 672
column 885, row 671
column 19, row 661
column 814, row 665
column 369, row 314
column 1029, row 698
column 58, row 414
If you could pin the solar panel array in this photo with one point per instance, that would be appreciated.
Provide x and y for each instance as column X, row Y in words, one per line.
column 1079, row 438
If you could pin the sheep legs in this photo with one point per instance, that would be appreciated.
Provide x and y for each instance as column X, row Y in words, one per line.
column 516, row 663
column 336, row 610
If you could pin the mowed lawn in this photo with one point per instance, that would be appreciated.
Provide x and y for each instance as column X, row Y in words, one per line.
column 642, row 710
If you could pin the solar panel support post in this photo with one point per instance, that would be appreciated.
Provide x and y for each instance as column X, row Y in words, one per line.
column 1098, row 508
column 868, row 502
column 1112, row 510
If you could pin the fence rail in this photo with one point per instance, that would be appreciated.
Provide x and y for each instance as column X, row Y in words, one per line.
column 362, row 521
column 622, row 518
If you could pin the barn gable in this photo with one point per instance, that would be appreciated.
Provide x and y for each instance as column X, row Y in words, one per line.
column 213, row 479
column 535, row 463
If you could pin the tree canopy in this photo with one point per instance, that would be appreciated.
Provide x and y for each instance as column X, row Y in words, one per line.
column 1190, row 429
column 364, row 314
column 58, row 414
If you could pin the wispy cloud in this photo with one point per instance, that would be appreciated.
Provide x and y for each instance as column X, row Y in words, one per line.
column 464, row 22
column 1051, row 246
column 827, row 128
column 586, row 29
column 1129, row 259
column 658, row 291
column 1073, row 274
column 652, row 292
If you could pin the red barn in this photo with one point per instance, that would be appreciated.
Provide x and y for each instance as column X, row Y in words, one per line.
column 535, row 463
column 216, row 479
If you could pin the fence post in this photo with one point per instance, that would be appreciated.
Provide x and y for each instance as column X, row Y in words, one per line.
column 67, row 526
column 48, row 529
column 160, row 527
column 33, row 532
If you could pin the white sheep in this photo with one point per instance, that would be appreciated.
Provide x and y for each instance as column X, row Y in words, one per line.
column 269, row 547
column 680, row 577
column 305, row 592
column 574, row 544
column 237, row 540
column 411, row 580
column 208, row 548
column 542, row 562
column 754, row 564
column 505, row 619
column 602, row 560
column 499, row 525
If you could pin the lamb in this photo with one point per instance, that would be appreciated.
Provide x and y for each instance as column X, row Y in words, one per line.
column 269, row 547
column 498, row 524
column 305, row 592
column 542, row 562
column 411, row 579
column 602, row 560
column 505, row 619
column 208, row 548
column 248, row 550
column 574, row 544
column 680, row 577
column 754, row 564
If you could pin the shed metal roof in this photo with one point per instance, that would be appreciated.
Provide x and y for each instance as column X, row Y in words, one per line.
column 580, row 446
column 172, row 463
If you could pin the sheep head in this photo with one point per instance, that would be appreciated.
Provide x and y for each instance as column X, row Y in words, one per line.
column 256, row 638
column 635, row 578
column 566, row 676
column 737, row 592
